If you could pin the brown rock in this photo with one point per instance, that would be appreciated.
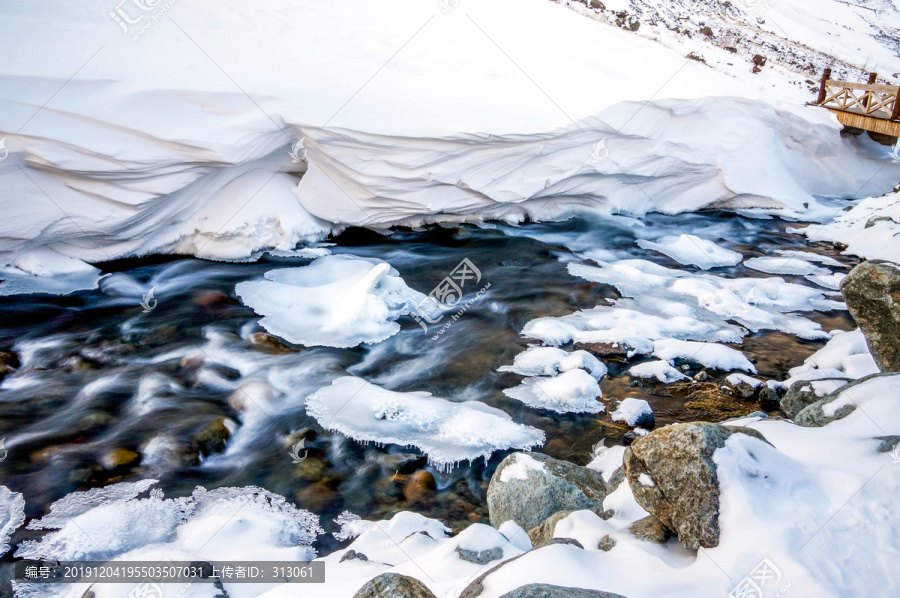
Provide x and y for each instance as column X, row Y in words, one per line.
column 393, row 585
column 872, row 293
column 266, row 343
column 419, row 486
column 118, row 457
column 650, row 529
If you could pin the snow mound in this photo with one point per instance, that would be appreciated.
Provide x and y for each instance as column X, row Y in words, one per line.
column 660, row 369
column 574, row 391
column 12, row 515
column 871, row 229
column 548, row 361
column 846, row 355
column 692, row 250
column 712, row 355
column 445, row 431
column 631, row 411
column 336, row 301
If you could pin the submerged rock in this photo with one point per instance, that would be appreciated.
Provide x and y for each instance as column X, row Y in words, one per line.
column 393, row 585
column 872, row 293
column 673, row 477
column 529, row 487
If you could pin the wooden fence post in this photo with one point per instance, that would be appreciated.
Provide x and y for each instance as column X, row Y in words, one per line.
column 825, row 76
column 895, row 113
column 868, row 94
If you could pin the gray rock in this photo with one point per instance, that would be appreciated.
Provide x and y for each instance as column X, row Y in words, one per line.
column 480, row 557
column 872, row 293
column 393, row 585
column 683, row 492
column 743, row 390
column 887, row 443
column 768, row 399
column 352, row 555
column 558, row 486
column 607, row 543
column 650, row 529
column 800, row 396
column 814, row 415
column 542, row 590
column 543, row 533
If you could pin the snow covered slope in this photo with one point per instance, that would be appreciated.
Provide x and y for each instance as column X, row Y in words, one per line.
column 174, row 127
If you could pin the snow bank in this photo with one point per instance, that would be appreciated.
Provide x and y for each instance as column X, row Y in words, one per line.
column 336, row 301
column 846, row 355
column 871, row 229
column 574, row 391
column 447, row 432
column 692, row 250
column 210, row 164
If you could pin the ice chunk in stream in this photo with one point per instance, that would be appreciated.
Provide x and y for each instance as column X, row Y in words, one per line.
column 12, row 515
column 787, row 266
column 548, row 361
column 711, row 355
column 690, row 249
column 445, row 431
column 574, row 391
column 336, row 301
column 661, row 370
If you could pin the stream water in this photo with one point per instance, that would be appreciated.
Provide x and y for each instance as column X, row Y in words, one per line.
column 107, row 391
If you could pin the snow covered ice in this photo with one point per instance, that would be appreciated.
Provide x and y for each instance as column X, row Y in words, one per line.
column 447, row 432
column 336, row 301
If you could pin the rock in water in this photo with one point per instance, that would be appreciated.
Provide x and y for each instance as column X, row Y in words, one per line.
column 393, row 585
column 872, row 293
column 543, row 590
column 673, row 477
column 529, row 487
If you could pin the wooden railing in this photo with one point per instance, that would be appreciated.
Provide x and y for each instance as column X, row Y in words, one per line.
column 869, row 99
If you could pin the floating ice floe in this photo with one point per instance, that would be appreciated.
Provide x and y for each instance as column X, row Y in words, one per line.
column 574, row 391
column 661, row 370
column 712, row 355
column 692, row 250
column 12, row 515
column 336, row 301
column 548, row 361
column 445, row 431
column 632, row 411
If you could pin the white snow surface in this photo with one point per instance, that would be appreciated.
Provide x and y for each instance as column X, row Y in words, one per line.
column 125, row 141
column 445, row 431
column 548, row 361
column 336, row 301
column 846, row 355
column 630, row 410
column 574, row 391
column 871, row 229
column 519, row 468
column 693, row 250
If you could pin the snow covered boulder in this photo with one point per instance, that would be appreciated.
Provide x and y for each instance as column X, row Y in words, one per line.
column 802, row 394
column 634, row 412
column 838, row 404
column 673, row 477
column 393, row 585
column 529, row 487
column 872, row 293
column 543, row 590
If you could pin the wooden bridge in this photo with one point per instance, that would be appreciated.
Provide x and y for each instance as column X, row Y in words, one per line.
column 870, row 106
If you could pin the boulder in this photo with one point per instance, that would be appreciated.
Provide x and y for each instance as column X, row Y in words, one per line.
column 543, row 533
column 872, row 293
column 673, row 477
column 650, row 529
column 480, row 557
column 530, row 487
column 393, row 585
column 543, row 590
column 800, row 396
column 819, row 414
